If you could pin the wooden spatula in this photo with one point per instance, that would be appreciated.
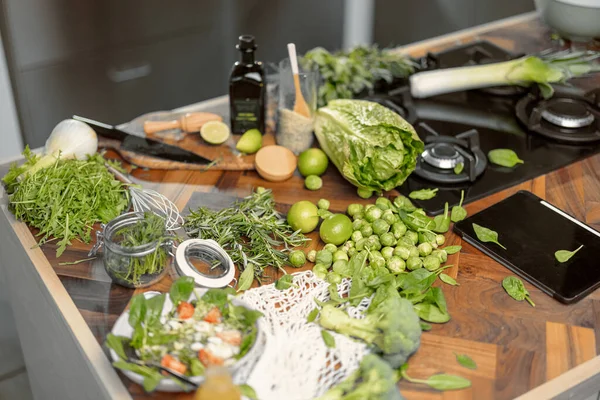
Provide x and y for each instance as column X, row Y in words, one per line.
column 191, row 122
column 300, row 105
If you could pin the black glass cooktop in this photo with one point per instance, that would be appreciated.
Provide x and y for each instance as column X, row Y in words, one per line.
column 492, row 114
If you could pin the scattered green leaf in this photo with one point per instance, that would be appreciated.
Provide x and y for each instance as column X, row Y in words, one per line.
column 248, row 391
column 504, row 157
column 442, row 221
column 312, row 315
column 452, row 249
column 459, row 168
column 328, row 339
column 285, row 282
column 246, row 278
column 423, row 194
column 466, row 361
column 486, row 235
column 563, row 256
column 515, row 289
column 458, row 212
column 448, row 279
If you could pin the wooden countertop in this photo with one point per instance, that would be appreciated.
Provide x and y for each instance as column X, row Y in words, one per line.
column 537, row 352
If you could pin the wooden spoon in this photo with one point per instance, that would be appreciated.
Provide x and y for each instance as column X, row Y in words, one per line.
column 300, row 105
column 190, row 122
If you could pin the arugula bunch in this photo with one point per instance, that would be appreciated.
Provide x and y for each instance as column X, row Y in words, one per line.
column 65, row 199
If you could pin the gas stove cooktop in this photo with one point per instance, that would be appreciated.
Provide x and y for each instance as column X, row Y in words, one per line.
column 459, row 129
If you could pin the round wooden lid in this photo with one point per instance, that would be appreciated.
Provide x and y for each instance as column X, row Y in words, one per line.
column 275, row 163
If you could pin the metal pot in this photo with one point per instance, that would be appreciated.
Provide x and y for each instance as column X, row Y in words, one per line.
column 576, row 20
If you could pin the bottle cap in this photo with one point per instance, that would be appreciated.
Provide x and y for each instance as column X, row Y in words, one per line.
column 246, row 43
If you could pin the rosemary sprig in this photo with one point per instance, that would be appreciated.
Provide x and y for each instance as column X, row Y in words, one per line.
column 250, row 231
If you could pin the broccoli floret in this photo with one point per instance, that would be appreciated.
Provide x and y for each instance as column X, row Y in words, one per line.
column 374, row 380
column 392, row 327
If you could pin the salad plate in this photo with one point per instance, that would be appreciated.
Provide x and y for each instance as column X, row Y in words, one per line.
column 197, row 336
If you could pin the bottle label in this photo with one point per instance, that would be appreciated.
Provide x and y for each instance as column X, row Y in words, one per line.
column 246, row 114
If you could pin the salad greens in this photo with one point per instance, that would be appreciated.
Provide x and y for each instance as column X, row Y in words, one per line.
column 504, row 157
column 515, row 289
column 194, row 334
column 252, row 232
column 372, row 146
column 347, row 74
column 563, row 256
column 423, row 194
column 487, row 235
column 458, row 212
column 66, row 199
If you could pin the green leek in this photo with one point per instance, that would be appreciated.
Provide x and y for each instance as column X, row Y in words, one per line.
column 549, row 68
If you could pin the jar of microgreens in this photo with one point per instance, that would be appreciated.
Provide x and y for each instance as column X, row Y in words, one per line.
column 137, row 249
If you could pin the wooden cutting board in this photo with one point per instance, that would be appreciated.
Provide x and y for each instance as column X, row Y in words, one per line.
column 225, row 156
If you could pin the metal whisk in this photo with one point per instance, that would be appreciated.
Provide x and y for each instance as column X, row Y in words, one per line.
column 150, row 200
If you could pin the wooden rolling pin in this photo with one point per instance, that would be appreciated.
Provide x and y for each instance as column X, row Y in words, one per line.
column 191, row 122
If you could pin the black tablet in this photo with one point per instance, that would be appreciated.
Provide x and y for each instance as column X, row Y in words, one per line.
column 532, row 230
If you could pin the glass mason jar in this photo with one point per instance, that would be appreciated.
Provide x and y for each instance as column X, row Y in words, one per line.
column 133, row 267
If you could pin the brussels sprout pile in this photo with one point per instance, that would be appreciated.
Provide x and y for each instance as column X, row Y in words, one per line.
column 391, row 242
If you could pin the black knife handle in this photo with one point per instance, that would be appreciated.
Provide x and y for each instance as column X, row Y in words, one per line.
column 102, row 129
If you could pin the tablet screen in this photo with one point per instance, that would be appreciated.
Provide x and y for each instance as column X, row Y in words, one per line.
column 532, row 230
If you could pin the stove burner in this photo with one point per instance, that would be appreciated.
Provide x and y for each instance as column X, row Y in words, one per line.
column 568, row 113
column 569, row 116
column 443, row 153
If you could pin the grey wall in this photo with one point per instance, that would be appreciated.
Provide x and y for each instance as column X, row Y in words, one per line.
column 401, row 22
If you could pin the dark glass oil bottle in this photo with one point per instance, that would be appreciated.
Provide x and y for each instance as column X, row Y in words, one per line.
column 247, row 90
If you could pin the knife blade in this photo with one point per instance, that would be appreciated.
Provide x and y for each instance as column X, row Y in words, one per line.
column 145, row 146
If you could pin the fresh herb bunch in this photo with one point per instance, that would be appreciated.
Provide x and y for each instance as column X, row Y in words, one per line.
column 251, row 231
column 129, row 268
column 347, row 74
column 65, row 199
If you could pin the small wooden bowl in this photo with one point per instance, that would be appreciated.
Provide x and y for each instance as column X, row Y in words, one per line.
column 275, row 163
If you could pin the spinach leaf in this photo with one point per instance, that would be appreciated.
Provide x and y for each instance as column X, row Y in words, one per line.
column 423, row 194
column 403, row 203
column 285, row 282
column 466, row 361
column 413, row 295
column 247, row 343
column 431, row 313
column 154, row 307
column 448, row 280
column 416, row 221
column 458, row 212
column 246, row 278
column 563, row 256
column 116, row 343
column 504, row 157
column 447, row 382
column 419, row 279
column 436, row 296
column 442, row 222
column 139, row 336
column 382, row 293
column 486, row 235
column 459, row 168
column 137, row 310
column 248, row 391
column 425, row 326
column 181, row 290
column 452, row 249
column 312, row 315
column 151, row 376
column 218, row 297
column 515, row 289
column 334, row 295
column 328, row 339
column 196, row 367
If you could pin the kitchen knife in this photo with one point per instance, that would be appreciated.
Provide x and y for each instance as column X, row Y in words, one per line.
column 142, row 145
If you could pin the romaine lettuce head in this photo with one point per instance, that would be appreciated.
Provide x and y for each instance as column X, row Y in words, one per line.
column 372, row 146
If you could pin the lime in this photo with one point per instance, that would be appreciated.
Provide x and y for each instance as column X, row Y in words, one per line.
column 215, row 132
column 336, row 229
column 250, row 142
column 303, row 215
column 312, row 162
